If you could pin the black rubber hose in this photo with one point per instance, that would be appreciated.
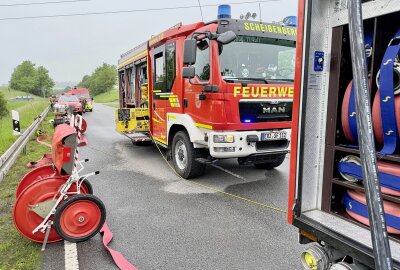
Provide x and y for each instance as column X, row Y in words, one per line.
column 380, row 240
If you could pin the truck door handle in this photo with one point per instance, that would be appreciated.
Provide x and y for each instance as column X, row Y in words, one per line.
column 154, row 106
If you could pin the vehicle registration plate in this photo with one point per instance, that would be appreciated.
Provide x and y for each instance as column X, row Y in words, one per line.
column 273, row 136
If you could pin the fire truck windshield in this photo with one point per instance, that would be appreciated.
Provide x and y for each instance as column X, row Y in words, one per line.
column 258, row 58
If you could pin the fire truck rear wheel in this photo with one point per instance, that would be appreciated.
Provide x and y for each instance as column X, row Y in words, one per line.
column 276, row 162
column 184, row 156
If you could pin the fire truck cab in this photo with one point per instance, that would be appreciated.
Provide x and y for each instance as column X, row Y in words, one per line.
column 213, row 90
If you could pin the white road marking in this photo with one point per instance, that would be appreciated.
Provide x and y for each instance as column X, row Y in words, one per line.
column 229, row 172
column 71, row 256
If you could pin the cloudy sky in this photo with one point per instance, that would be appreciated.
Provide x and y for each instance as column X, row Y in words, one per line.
column 70, row 47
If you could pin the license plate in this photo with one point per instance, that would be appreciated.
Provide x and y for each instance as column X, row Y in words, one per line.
column 273, row 136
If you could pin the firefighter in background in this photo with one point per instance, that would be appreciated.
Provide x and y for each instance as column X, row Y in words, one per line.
column 52, row 100
column 144, row 96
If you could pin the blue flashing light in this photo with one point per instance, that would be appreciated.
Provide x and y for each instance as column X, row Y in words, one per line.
column 224, row 12
column 247, row 120
column 290, row 21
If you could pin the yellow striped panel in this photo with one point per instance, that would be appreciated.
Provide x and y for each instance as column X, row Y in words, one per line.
column 200, row 125
column 133, row 58
column 159, row 140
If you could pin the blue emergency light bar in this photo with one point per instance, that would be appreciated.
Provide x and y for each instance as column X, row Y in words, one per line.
column 224, row 12
column 290, row 21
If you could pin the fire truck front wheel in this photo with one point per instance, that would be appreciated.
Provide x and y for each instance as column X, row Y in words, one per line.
column 273, row 163
column 184, row 156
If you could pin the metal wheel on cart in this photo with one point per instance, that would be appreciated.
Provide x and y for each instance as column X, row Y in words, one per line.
column 80, row 217
column 35, row 202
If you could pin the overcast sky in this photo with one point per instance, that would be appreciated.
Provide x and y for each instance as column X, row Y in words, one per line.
column 70, row 47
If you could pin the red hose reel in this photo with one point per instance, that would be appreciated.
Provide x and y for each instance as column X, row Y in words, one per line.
column 54, row 201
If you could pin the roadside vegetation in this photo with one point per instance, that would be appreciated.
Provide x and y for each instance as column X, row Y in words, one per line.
column 110, row 96
column 28, row 110
column 16, row 252
column 30, row 79
column 102, row 79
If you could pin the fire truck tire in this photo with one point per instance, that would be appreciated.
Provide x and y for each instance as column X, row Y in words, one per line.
column 279, row 159
column 79, row 217
column 184, row 156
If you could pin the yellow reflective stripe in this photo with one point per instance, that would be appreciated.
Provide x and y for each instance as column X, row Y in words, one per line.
column 172, row 116
column 156, row 91
column 163, row 96
column 159, row 140
column 203, row 126
column 132, row 59
column 157, row 121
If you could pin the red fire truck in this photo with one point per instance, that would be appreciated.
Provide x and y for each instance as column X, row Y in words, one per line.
column 215, row 90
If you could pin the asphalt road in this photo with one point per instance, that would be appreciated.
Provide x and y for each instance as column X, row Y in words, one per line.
column 160, row 221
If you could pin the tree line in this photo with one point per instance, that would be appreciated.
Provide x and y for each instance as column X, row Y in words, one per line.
column 35, row 80
column 102, row 79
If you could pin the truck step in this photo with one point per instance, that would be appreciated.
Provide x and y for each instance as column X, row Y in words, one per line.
column 206, row 160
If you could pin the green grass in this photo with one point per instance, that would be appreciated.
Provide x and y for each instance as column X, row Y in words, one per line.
column 110, row 96
column 114, row 105
column 28, row 110
column 16, row 252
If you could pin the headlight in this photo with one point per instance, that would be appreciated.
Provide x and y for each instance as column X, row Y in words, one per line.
column 224, row 138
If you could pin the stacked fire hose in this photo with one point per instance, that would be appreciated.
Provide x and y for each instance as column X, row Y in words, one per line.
column 386, row 125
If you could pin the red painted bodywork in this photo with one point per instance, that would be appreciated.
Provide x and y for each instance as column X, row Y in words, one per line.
column 60, row 153
column 79, row 91
column 75, row 104
column 220, row 110
column 295, row 110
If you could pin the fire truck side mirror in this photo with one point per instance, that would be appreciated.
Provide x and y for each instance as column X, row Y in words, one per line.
column 189, row 53
column 188, row 72
column 226, row 37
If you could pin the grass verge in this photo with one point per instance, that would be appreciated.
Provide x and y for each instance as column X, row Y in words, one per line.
column 28, row 110
column 109, row 96
column 16, row 252
column 114, row 105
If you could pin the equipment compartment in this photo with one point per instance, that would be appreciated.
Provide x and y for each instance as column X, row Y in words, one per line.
column 337, row 144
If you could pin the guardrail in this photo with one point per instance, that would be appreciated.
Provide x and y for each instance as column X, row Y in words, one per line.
column 9, row 157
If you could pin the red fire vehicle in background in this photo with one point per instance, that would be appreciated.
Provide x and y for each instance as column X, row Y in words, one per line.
column 84, row 95
column 215, row 90
column 68, row 102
